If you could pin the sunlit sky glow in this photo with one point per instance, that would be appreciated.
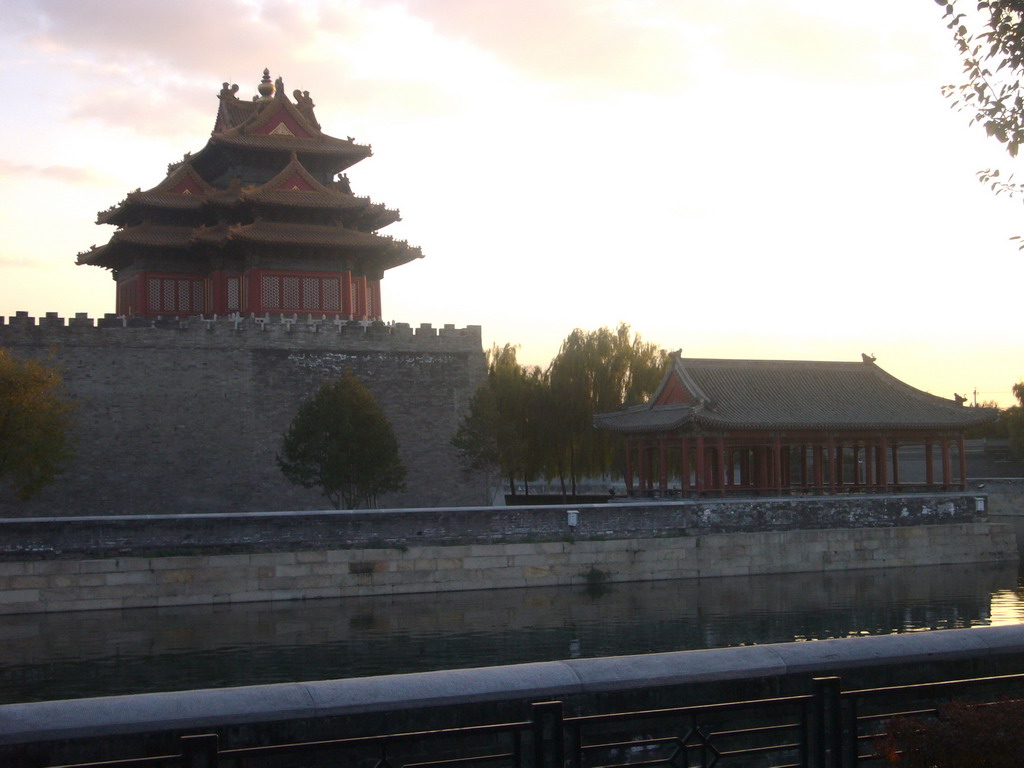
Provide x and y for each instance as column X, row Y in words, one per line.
column 733, row 178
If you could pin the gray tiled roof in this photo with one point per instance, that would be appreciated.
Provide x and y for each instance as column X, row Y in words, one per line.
column 788, row 394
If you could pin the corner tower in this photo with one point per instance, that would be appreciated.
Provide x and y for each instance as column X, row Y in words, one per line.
column 261, row 220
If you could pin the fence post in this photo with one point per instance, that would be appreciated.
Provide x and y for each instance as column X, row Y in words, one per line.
column 828, row 727
column 548, row 735
column 199, row 751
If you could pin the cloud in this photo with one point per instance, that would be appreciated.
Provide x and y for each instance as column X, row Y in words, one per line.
column 16, row 262
column 62, row 173
column 156, row 67
column 618, row 45
column 181, row 112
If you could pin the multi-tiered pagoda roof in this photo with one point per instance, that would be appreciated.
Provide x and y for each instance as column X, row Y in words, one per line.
column 260, row 220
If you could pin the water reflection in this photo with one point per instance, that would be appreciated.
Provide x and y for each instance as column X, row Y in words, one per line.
column 108, row 652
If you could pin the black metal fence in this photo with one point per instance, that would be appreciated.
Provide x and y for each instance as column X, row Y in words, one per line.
column 827, row 728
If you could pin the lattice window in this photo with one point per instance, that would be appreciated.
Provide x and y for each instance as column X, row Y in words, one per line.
column 271, row 292
column 154, row 294
column 311, row 293
column 355, row 298
column 332, row 295
column 370, row 313
column 176, row 295
column 234, row 295
column 291, row 293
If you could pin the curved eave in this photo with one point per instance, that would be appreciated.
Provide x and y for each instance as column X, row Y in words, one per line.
column 269, row 233
column 128, row 209
column 709, row 421
column 400, row 253
column 305, row 199
column 642, row 418
column 377, row 216
column 112, row 255
column 94, row 257
column 345, row 154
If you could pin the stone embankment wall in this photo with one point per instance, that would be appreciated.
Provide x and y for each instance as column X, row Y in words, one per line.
column 183, row 416
column 98, row 563
column 1005, row 502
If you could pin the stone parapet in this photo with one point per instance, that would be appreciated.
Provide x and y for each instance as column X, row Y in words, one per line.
column 545, row 526
column 121, row 727
column 296, row 330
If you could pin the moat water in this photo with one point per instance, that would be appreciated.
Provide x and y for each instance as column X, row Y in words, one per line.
column 98, row 653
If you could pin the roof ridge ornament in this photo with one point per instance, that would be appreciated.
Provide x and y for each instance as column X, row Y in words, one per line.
column 869, row 359
column 266, row 87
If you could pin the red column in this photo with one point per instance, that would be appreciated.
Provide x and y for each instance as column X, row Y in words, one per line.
column 883, row 462
column 255, row 292
column 641, row 465
column 346, row 296
column 662, row 466
column 856, row 465
column 777, row 463
column 819, row 475
column 963, row 462
column 896, row 463
column 947, row 468
column 374, row 297
column 700, row 479
column 840, row 477
column 142, row 293
column 830, row 462
column 722, row 464
column 684, row 465
column 630, row 447
column 929, row 470
column 699, row 468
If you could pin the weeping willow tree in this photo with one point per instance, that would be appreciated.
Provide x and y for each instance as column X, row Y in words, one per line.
column 596, row 372
column 528, row 423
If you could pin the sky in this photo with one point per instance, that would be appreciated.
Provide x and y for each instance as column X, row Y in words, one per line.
column 731, row 178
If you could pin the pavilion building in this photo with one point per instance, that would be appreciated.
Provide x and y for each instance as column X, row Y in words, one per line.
column 261, row 220
column 721, row 427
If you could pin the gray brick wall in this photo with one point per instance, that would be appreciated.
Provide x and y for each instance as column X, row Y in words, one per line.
column 187, row 416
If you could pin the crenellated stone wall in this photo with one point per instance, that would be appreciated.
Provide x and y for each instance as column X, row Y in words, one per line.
column 186, row 415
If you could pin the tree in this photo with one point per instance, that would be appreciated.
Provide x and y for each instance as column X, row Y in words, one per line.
column 1014, row 418
column 597, row 372
column 990, row 40
column 341, row 443
column 992, row 50
column 530, row 422
column 35, row 425
column 498, row 432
